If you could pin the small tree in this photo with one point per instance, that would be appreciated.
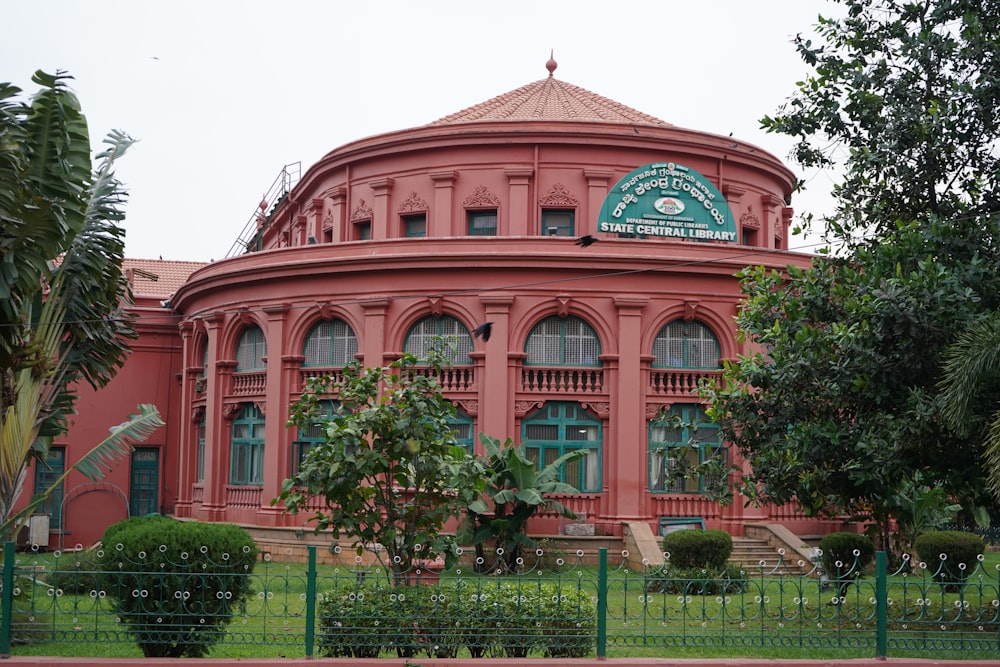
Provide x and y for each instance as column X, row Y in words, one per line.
column 515, row 491
column 390, row 473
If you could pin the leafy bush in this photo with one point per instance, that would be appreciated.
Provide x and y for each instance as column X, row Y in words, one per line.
column 363, row 619
column 845, row 558
column 175, row 584
column 697, row 580
column 952, row 555
column 698, row 548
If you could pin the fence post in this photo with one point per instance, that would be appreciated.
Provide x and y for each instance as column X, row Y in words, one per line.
column 881, row 606
column 7, row 605
column 311, row 601
column 602, row 603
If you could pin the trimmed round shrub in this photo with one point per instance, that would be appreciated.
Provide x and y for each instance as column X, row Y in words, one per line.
column 845, row 557
column 698, row 548
column 176, row 584
column 952, row 555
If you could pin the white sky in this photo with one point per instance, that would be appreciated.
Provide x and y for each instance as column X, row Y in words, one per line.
column 222, row 94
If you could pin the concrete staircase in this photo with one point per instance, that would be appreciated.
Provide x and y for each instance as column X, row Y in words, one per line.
column 748, row 552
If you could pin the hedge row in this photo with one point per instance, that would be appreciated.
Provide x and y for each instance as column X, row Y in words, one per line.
column 503, row 619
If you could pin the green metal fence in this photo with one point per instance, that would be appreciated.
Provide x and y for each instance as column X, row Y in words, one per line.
column 555, row 605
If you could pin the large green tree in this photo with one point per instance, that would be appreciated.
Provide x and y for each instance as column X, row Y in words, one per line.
column 903, row 99
column 62, row 291
column 840, row 411
column 388, row 474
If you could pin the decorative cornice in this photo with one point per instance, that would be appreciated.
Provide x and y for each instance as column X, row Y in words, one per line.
column 413, row 204
column 481, row 197
column 558, row 196
column 362, row 212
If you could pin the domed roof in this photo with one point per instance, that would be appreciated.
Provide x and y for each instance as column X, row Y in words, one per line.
column 550, row 99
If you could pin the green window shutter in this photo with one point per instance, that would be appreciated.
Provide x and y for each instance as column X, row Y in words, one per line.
column 559, row 428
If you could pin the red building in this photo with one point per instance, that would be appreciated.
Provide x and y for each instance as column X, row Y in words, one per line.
column 393, row 239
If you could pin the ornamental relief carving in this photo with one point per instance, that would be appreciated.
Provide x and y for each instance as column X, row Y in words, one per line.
column 413, row 204
column 469, row 407
column 750, row 219
column 602, row 410
column 521, row 408
column 328, row 222
column 362, row 212
column 558, row 196
column 653, row 410
column 481, row 197
column 230, row 410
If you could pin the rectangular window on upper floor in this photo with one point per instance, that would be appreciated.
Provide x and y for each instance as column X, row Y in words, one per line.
column 483, row 222
column 557, row 222
column 415, row 225
column 362, row 230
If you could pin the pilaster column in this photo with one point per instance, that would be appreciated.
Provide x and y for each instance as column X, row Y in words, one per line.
column 381, row 189
column 334, row 225
column 441, row 221
column 597, row 191
column 276, row 448
column 218, row 424
column 519, row 211
column 186, row 453
column 496, row 392
column 625, row 453
column 374, row 349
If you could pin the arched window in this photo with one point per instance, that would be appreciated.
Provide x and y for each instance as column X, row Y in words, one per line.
column 678, row 443
column 246, row 463
column 685, row 345
column 314, row 435
column 559, row 341
column 251, row 350
column 331, row 343
column 456, row 337
column 559, row 428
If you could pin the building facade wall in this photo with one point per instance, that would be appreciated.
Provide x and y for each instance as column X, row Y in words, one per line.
column 311, row 264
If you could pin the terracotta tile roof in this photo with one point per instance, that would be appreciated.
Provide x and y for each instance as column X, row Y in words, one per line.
column 550, row 99
column 158, row 277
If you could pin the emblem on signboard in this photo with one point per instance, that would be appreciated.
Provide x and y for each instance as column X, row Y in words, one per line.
column 669, row 206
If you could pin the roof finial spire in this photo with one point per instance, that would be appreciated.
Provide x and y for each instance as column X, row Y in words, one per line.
column 551, row 64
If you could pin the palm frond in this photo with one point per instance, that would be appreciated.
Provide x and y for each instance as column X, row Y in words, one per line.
column 971, row 363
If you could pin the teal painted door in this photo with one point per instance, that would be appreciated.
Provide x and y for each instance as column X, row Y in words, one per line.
column 144, row 486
